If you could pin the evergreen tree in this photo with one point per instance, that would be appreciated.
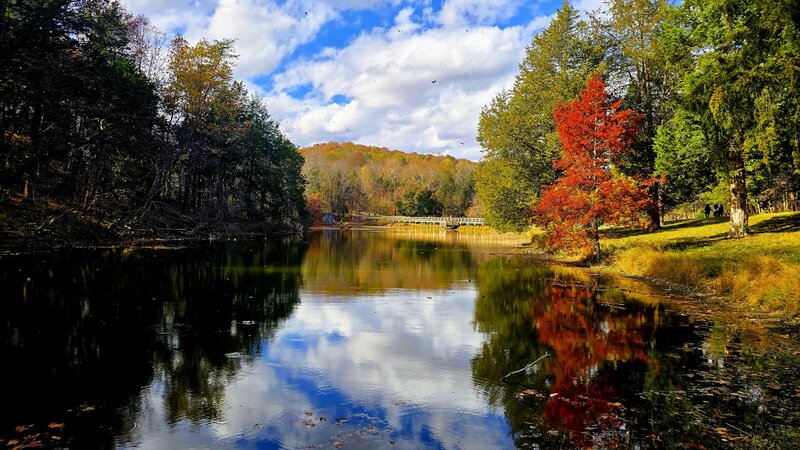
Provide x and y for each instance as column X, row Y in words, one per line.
column 743, row 89
column 518, row 126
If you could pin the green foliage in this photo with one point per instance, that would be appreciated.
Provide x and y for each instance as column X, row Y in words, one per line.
column 682, row 157
column 715, row 83
column 74, row 111
column 716, row 194
column 500, row 184
column 743, row 88
column 455, row 192
column 419, row 204
column 80, row 121
column 632, row 31
column 267, row 182
column 518, row 125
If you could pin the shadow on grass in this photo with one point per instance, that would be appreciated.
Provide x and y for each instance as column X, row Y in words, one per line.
column 690, row 243
column 780, row 224
column 618, row 233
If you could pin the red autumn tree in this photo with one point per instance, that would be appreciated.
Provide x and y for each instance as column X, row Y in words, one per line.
column 314, row 202
column 595, row 135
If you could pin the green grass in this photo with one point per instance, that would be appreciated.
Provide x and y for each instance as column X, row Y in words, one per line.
column 761, row 271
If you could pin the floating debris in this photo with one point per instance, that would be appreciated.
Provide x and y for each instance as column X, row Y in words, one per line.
column 530, row 393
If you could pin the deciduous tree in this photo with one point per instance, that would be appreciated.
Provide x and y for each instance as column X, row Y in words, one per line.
column 640, row 64
column 518, row 126
column 500, row 183
column 595, row 134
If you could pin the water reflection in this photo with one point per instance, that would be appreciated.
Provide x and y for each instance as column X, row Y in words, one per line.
column 367, row 340
column 615, row 372
column 85, row 331
column 344, row 263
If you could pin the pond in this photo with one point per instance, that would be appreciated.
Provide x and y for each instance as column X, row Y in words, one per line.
column 365, row 339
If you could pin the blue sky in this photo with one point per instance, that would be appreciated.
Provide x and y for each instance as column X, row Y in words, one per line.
column 364, row 70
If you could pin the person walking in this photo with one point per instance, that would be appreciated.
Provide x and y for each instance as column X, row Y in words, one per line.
column 708, row 210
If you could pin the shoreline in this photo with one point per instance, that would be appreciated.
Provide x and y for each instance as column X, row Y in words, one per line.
column 702, row 298
column 756, row 275
column 28, row 227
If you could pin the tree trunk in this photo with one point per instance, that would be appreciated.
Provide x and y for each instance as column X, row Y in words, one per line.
column 654, row 211
column 187, row 183
column 738, row 208
column 596, row 240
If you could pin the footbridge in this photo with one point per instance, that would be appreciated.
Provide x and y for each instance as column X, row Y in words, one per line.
column 448, row 222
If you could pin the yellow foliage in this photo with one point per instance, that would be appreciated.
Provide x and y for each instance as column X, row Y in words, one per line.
column 766, row 282
column 761, row 271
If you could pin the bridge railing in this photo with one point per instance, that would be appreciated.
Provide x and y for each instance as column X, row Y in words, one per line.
column 443, row 221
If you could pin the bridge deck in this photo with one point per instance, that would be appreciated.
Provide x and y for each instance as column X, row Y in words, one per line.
column 443, row 221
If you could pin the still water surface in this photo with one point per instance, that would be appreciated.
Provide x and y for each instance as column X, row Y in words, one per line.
column 368, row 340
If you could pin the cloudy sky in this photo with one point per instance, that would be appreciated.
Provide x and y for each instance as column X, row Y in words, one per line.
column 410, row 75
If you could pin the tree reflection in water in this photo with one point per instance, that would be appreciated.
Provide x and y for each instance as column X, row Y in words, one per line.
column 85, row 331
column 599, row 355
column 196, row 347
column 595, row 347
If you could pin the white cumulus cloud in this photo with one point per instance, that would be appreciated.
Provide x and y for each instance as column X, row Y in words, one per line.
column 419, row 91
column 414, row 83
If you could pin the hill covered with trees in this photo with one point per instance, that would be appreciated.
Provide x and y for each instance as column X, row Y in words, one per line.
column 103, row 120
column 347, row 178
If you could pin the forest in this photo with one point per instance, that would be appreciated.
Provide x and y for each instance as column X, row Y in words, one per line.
column 711, row 92
column 104, row 119
column 346, row 178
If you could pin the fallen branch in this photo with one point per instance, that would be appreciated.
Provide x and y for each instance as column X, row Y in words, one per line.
column 50, row 221
column 546, row 354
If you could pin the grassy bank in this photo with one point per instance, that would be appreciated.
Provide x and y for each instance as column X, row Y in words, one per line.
column 759, row 272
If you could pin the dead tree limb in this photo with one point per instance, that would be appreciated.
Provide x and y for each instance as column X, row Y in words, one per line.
column 546, row 354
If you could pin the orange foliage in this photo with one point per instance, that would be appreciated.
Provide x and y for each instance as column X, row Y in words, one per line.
column 387, row 175
column 588, row 341
column 314, row 202
column 595, row 134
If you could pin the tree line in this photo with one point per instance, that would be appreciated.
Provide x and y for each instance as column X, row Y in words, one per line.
column 101, row 112
column 347, row 178
column 713, row 84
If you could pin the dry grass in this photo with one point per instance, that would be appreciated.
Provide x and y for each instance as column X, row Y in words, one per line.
column 761, row 271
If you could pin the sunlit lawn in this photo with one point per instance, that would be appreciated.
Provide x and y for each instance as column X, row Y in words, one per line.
column 761, row 270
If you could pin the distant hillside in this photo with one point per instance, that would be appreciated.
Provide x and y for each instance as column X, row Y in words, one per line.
column 344, row 177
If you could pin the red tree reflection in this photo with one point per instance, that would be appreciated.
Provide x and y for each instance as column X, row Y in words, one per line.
column 590, row 339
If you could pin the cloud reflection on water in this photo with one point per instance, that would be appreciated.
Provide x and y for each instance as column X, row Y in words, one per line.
column 399, row 363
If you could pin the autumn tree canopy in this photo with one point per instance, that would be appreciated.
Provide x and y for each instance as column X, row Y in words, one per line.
column 516, row 129
column 595, row 134
column 353, row 178
column 99, row 115
column 714, row 81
